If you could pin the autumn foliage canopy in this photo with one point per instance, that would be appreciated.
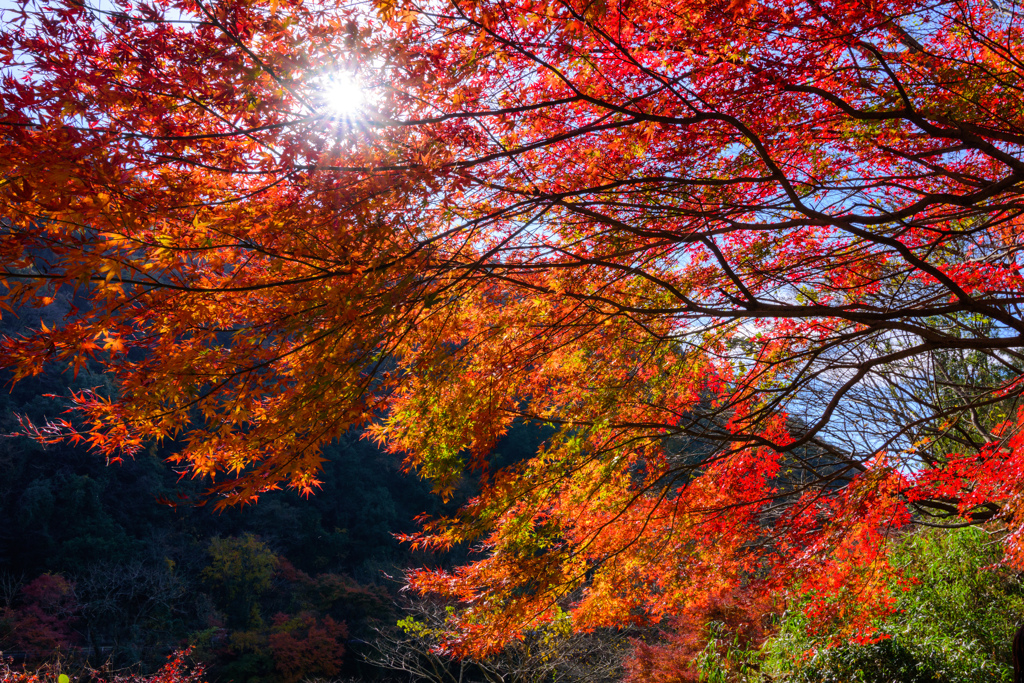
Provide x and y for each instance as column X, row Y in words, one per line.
column 755, row 264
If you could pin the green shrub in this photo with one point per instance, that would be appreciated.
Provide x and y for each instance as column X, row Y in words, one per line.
column 954, row 623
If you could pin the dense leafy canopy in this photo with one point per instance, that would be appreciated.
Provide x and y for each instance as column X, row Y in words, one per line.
column 755, row 263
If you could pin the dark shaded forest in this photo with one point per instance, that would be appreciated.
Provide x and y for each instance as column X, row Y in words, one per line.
column 116, row 564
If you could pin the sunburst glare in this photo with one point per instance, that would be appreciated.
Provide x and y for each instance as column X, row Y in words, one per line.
column 342, row 95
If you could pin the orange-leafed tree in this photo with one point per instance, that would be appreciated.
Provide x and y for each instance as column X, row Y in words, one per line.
column 756, row 263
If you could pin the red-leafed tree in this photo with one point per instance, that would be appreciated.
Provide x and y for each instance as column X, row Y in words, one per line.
column 42, row 619
column 302, row 647
column 719, row 627
column 756, row 262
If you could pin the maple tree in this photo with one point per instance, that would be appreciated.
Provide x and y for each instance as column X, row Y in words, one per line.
column 736, row 620
column 756, row 262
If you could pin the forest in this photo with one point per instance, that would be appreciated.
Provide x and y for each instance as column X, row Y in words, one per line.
column 511, row 340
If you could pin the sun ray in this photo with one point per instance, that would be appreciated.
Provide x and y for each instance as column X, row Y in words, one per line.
column 342, row 95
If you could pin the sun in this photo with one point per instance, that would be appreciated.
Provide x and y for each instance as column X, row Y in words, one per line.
column 342, row 95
